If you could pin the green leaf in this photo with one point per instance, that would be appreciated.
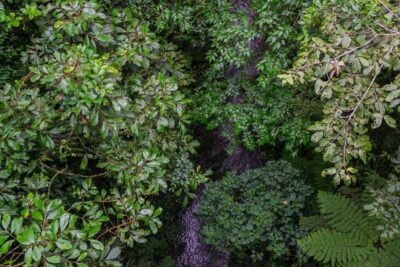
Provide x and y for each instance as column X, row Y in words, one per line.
column 317, row 136
column 26, row 237
column 113, row 254
column 153, row 227
column 94, row 229
column 63, row 244
column 28, row 255
column 364, row 62
column 58, row 24
column 84, row 162
column 3, row 239
column 36, row 253
column 96, row 244
column 146, row 212
column 346, row 40
column 54, row 259
column 6, row 247
column 82, row 256
column 16, row 225
column 157, row 212
column 390, row 121
column 35, row 78
column 5, row 220
column 377, row 120
column 64, row 221
column 37, row 215
column 39, row 204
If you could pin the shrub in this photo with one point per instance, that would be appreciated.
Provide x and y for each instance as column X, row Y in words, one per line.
column 250, row 44
column 349, row 50
column 94, row 127
column 255, row 213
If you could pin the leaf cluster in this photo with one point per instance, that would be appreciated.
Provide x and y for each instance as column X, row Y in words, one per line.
column 255, row 214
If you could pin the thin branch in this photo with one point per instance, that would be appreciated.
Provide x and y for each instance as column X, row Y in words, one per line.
column 359, row 103
column 349, row 51
column 52, row 179
column 74, row 174
column 388, row 9
column 116, row 227
column 344, row 147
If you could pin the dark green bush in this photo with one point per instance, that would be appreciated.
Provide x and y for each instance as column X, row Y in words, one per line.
column 92, row 127
column 256, row 213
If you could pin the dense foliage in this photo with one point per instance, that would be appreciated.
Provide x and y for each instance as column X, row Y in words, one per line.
column 350, row 52
column 249, row 48
column 255, row 214
column 94, row 127
column 99, row 101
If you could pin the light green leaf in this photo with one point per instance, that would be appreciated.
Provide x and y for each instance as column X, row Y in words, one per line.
column 63, row 244
column 5, row 220
column 36, row 253
column 64, row 221
column 346, row 40
column 96, row 244
column 16, row 225
column 377, row 120
column 84, row 162
column 6, row 247
column 28, row 255
column 390, row 121
column 26, row 237
column 54, row 259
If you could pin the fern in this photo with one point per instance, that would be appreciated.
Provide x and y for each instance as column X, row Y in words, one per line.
column 332, row 246
column 346, row 217
column 349, row 238
column 313, row 223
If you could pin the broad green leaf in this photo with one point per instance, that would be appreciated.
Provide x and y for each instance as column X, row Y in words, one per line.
column 37, row 215
column 28, row 255
column 64, row 221
column 96, row 244
column 53, row 259
column 26, row 237
column 5, row 220
column 63, row 244
column 153, row 227
column 377, row 120
column 16, row 225
column 6, row 247
column 390, row 121
column 84, row 162
column 3, row 239
column 346, row 40
column 36, row 253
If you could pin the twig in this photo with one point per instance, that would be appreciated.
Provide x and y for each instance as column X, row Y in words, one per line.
column 349, row 51
column 116, row 227
column 75, row 174
column 359, row 102
column 388, row 9
column 51, row 181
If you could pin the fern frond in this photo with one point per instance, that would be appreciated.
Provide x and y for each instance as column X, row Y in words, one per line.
column 335, row 247
column 346, row 217
column 390, row 253
column 313, row 223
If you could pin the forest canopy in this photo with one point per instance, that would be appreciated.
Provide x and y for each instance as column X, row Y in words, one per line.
column 199, row 133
